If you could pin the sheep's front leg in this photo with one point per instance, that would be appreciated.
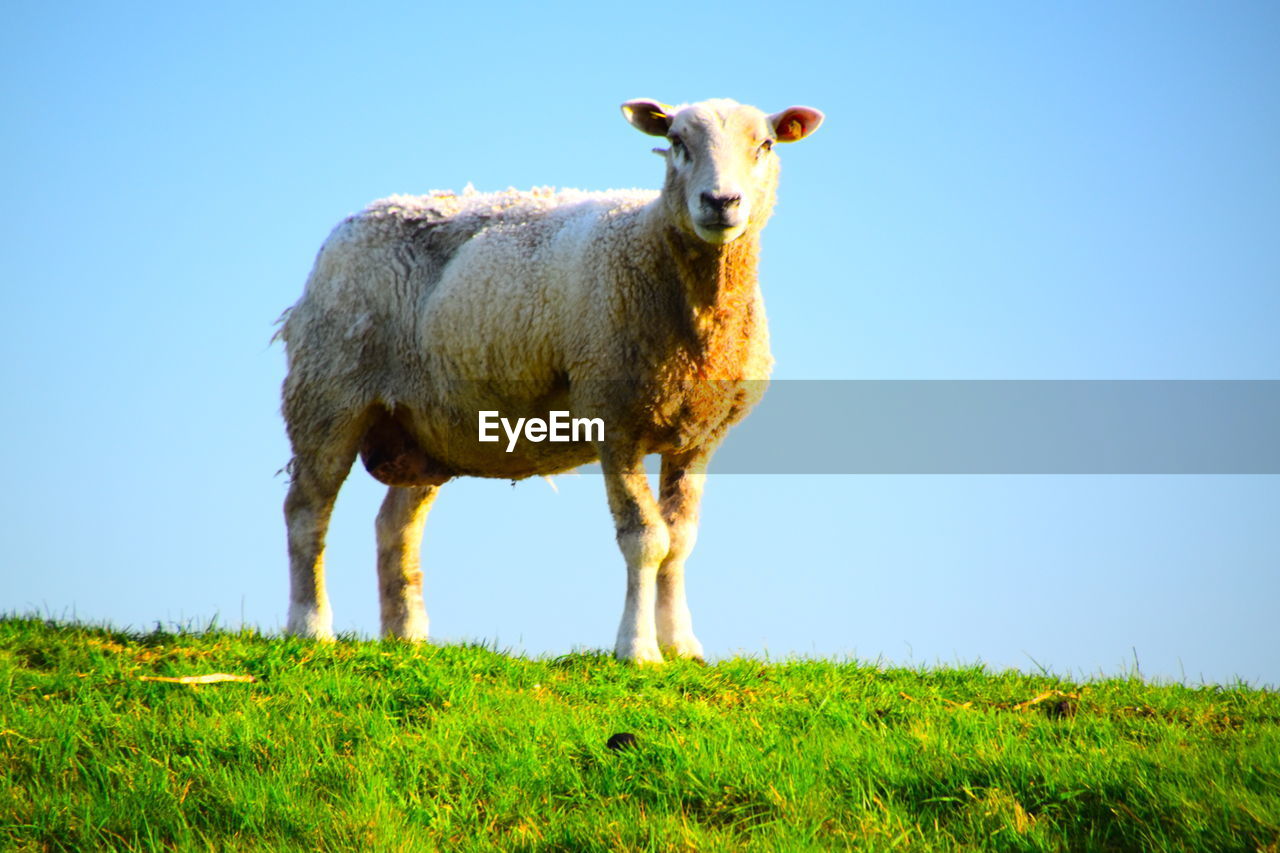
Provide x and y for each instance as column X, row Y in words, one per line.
column 399, row 528
column 643, row 538
column 683, row 478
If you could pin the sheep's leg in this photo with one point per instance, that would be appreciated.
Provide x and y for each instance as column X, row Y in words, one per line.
column 399, row 526
column 307, row 509
column 643, row 539
column 320, row 464
column 682, row 482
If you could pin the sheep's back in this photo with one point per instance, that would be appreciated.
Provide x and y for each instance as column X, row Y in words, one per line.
column 417, row 292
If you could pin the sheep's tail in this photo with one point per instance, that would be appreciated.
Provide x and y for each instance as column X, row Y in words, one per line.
column 278, row 335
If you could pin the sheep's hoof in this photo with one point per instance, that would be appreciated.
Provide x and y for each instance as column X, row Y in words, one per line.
column 310, row 624
column 685, row 647
column 638, row 652
column 406, row 636
column 670, row 654
column 318, row 636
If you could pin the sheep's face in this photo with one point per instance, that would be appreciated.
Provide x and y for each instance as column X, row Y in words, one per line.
column 721, row 167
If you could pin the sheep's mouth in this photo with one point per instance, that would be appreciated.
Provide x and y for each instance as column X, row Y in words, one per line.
column 718, row 231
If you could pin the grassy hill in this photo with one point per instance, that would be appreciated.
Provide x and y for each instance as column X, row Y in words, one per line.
column 381, row 745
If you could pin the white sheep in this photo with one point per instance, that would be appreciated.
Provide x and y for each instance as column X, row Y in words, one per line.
column 636, row 308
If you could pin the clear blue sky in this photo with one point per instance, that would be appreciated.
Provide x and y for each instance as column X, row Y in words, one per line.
column 1008, row 190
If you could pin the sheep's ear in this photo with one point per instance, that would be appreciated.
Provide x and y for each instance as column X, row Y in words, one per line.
column 651, row 117
column 795, row 123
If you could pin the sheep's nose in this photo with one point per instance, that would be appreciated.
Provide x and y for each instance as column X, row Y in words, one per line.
column 720, row 204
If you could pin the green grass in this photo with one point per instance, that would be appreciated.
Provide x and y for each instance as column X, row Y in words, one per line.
column 383, row 745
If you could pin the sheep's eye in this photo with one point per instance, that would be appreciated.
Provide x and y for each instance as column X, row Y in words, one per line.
column 678, row 147
column 765, row 148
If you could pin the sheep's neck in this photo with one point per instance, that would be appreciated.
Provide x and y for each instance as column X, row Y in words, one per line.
column 718, row 301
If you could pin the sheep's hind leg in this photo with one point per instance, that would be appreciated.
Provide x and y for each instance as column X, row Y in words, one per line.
column 317, row 473
column 399, row 526
column 642, row 536
column 682, row 482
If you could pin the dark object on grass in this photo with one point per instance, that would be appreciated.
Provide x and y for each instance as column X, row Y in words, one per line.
column 621, row 740
column 1060, row 709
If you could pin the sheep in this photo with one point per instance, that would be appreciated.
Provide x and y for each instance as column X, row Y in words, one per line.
column 639, row 309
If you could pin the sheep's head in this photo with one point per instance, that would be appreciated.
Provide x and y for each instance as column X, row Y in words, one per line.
column 721, row 167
